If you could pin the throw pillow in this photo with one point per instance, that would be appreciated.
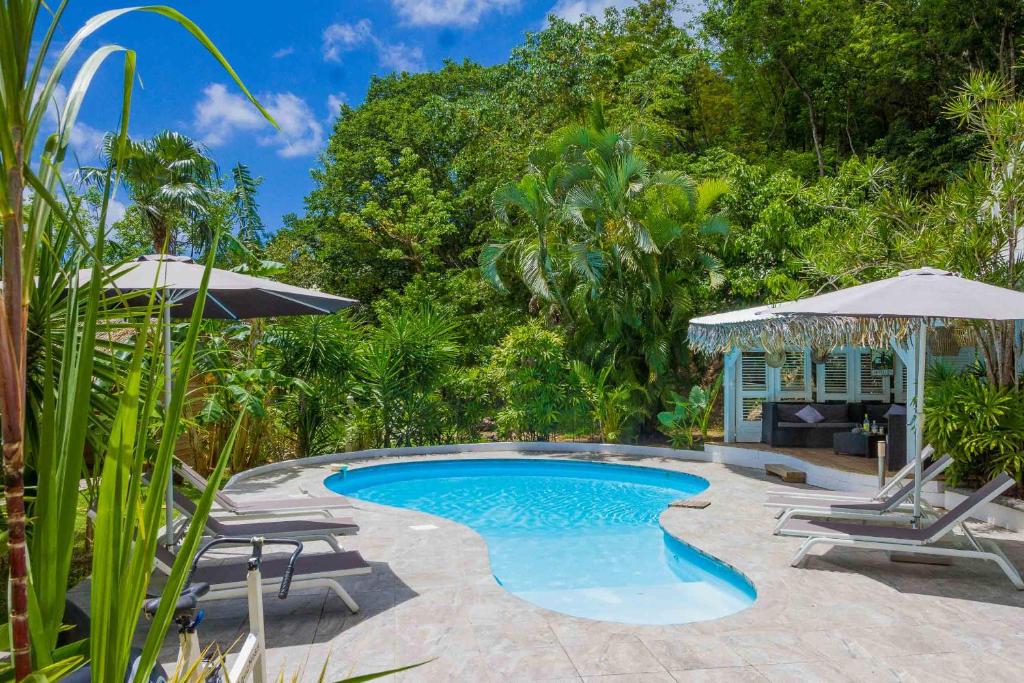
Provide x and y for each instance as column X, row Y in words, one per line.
column 895, row 410
column 810, row 414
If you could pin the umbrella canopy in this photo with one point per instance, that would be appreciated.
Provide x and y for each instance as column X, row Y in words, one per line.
column 873, row 314
column 231, row 296
column 927, row 293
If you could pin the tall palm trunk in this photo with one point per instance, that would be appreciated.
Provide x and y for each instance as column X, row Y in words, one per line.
column 12, row 407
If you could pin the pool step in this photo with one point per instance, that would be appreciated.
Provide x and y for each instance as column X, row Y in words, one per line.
column 691, row 503
column 786, row 473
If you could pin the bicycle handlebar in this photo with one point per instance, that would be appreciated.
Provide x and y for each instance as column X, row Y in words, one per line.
column 257, row 543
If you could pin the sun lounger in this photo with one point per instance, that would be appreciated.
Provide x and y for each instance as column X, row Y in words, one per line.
column 300, row 529
column 276, row 507
column 903, row 539
column 227, row 577
column 842, row 508
column 883, row 493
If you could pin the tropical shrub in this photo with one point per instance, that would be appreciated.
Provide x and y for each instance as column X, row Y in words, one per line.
column 690, row 413
column 399, row 371
column 978, row 423
column 319, row 354
column 532, row 382
column 613, row 408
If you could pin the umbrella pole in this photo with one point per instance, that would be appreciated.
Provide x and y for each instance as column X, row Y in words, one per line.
column 920, row 360
column 169, row 493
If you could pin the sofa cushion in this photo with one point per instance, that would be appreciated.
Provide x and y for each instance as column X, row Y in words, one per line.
column 786, row 412
column 809, row 414
column 834, row 412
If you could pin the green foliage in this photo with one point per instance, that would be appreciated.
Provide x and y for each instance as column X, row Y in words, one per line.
column 981, row 425
column 532, row 381
column 690, row 413
column 613, row 408
column 399, row 372
column 170, row 179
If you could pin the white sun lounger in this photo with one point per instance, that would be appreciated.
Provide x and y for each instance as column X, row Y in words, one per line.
column 303, row 506
column 891, row 507
column 902, row 539
column 227, row 577
column 882, row 494
column 299, row 529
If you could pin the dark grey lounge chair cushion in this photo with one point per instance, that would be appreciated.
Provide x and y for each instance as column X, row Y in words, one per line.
column 932, row 532
column 269, row 527
column 272, row 567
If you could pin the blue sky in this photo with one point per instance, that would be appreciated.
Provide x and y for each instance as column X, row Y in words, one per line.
column 302, row 58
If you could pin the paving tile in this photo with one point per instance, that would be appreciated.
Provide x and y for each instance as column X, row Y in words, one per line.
column 771, row 647
column 967, row 666
column 631, row 678
column 530, row 664
column 800, row 672
column 693, row 652
column 736, row 674
column 617, row 654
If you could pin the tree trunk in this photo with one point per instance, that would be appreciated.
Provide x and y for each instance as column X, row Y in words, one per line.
column 812, row 114
column 12, row 407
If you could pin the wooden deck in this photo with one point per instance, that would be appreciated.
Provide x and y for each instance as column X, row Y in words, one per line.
column 819, row 456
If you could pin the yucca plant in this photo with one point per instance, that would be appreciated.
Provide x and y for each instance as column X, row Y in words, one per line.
column 31, row 77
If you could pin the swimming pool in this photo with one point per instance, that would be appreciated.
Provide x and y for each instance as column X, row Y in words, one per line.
column 578, row 537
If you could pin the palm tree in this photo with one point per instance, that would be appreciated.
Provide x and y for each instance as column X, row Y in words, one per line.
column 245, row 208
column 535, row 202
column 620, row 246
column 170, row 178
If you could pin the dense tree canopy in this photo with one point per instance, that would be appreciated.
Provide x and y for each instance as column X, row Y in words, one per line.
column 613, row 178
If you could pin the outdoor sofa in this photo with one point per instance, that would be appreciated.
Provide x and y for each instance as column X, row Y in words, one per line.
column 780, row 425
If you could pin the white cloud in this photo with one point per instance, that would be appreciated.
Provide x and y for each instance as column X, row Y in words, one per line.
column 85, row 141
column 340, row 38
column 220, row 114
column 448, row 12
column 573, row 10
column 115, row 211
column 284, row 52
column 334, row 102
column 300, row 132
column 400, row 57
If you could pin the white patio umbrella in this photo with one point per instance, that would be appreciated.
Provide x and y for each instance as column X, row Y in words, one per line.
column 901, row 308
column 229, row 296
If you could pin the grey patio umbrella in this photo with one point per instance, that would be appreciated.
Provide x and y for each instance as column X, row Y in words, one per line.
column 230, row 296
column 898, row 309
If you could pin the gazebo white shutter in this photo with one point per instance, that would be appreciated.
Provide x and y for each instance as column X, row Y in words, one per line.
column 794, row 377
column 899, row 382
column 869, row 387
column 834, row 377
column 752, row 379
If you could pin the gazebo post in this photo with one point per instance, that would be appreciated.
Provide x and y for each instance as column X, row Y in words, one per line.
column 908, row 356
column 920, row 361
column 730, row 361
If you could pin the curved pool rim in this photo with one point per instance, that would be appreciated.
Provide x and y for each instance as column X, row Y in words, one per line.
column 736, row 577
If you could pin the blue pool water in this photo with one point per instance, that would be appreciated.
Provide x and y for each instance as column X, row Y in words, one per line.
column 578, row 537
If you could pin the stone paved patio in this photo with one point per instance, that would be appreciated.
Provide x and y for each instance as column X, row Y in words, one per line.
column 846, row 616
